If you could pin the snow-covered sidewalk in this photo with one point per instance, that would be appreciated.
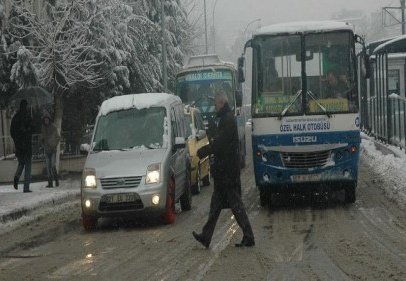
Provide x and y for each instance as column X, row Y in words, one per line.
column 16, row 205
column 390, row 163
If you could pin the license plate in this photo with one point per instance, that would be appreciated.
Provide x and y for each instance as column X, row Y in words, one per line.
column 120, row 198
column 305, row 178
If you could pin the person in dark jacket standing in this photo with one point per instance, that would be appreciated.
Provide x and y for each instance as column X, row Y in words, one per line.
column 50, row 140
column 226, row 174
column 21, row 132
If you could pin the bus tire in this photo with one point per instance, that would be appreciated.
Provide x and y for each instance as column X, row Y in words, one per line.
column 350, row 195
column 264, row 196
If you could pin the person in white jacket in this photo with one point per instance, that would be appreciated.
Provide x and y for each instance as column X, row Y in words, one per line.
column 50, row 140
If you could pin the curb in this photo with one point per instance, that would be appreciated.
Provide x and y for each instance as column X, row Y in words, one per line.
column 42, row 204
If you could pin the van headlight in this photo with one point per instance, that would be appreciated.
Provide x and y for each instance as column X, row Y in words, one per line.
column 153, row 174
column 89, row 178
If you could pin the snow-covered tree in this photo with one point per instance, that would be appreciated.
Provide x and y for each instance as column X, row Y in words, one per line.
column 23, row 72
column 102, row 48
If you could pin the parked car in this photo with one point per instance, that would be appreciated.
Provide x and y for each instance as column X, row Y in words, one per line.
column 138, row 161
column 199, row 168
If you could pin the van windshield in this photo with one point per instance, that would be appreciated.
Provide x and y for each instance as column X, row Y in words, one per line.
column 130, row 129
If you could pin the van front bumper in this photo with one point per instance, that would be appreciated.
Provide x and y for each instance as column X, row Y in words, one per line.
column 139, row 201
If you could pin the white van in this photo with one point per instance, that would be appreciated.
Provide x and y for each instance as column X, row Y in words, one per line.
column 138, row 162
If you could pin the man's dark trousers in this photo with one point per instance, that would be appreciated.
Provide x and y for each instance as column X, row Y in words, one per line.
column 222, row 192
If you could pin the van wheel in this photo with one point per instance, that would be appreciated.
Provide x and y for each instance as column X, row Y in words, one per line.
column 89, row 223
column 170, row 216
column 186, row 198
column 197, row 186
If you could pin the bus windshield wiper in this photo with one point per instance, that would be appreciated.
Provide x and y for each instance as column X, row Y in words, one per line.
column 290, row 104
column 310, row 94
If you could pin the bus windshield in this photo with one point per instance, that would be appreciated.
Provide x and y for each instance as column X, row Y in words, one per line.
column 314, row 65
column 197, row 88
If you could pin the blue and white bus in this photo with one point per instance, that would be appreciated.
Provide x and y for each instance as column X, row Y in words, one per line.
column 305, row 121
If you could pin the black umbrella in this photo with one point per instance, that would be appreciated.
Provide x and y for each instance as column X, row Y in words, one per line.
column 35, row 96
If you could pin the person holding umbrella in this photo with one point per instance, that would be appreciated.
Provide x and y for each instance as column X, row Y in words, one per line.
column 50, row 140
column 21, row 133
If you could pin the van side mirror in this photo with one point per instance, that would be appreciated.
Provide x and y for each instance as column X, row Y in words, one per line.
column 84, row 148
column 179, row 143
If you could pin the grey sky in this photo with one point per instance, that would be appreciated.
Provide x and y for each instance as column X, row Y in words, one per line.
column 234, row 15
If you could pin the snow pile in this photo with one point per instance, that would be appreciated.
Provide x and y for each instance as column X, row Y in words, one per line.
column 389, row 167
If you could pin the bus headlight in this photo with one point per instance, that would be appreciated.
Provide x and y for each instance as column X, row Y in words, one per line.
column 153, row 174
column 89, row 178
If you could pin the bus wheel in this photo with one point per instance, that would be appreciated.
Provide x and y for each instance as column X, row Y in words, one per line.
column 264, row 196
column 350, row 195
column 170, row 216
column 89, row 223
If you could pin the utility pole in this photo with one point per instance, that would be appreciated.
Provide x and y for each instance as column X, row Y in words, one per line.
column 402, row 6
column 205, row 27
column 164, row 74
column 395, row 17
column 214, row 29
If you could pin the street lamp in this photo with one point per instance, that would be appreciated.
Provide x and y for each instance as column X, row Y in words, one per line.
column 214, row 30
column 249, row 25
column 205, row 26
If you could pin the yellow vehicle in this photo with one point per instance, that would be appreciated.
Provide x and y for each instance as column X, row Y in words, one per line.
column 200, row 168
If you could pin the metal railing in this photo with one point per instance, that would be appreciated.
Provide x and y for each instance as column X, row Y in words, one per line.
column 7, row 148
column 385, row 119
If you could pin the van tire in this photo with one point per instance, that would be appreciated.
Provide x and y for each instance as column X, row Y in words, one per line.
column 89, row 223
column 169, row 216
column 186, row 198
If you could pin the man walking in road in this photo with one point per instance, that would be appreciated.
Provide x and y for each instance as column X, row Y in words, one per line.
column 21, row 132
column 226, row 174
column 50, row 140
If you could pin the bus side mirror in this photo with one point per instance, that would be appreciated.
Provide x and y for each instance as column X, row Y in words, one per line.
column 241, row 77
column 238, row 99
column 366, row 67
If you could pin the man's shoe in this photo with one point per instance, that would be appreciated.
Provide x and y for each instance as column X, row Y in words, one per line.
column 49, row 186
column 200, row 239
column 26, row 191
column 15, row 183
column 245, row 243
